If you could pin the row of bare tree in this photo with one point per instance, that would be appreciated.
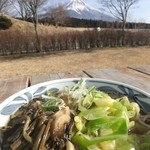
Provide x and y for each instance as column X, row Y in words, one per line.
column 14, row 42
column 31, row 8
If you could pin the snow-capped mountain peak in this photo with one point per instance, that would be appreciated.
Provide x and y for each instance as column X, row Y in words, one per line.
column 79, row 5
column 80, row 9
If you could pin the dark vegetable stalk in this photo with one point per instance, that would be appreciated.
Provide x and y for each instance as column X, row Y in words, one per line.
column 25, row 134
column 38, row 138
column 16, row 144
column 32, row 127
column 45, row 135
column 40, row 120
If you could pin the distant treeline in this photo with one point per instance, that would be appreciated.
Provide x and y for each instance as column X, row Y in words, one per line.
column 74, row 22
column 16, row 42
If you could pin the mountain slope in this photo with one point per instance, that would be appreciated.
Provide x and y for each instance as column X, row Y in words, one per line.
column 79, row 9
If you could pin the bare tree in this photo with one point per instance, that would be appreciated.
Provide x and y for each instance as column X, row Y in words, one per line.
column 58, row 14
column 21, row 8
column 3, row 5
column 119, row 9
column 30, row 9
column 34, row 6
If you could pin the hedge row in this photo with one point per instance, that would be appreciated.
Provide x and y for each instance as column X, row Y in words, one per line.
column 15, row 42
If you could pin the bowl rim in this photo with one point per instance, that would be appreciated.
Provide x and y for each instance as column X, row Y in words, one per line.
column 32, row 87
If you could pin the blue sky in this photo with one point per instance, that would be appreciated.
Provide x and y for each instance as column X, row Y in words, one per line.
column 138, row 13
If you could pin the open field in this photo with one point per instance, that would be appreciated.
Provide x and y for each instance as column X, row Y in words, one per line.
column 76, row 60
column 69, row 60
column 24, row 26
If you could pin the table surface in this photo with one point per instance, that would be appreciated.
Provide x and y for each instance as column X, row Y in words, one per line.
column 138, row 76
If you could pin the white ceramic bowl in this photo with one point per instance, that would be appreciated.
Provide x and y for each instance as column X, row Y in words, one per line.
column 11, row 104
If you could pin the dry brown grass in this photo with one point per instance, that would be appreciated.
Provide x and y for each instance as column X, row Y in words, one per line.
column 26, row 26
column 23, row 26
column 69, row 61
column 43, row 29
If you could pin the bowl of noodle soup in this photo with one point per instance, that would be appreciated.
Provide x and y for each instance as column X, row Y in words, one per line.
column 75, row 113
